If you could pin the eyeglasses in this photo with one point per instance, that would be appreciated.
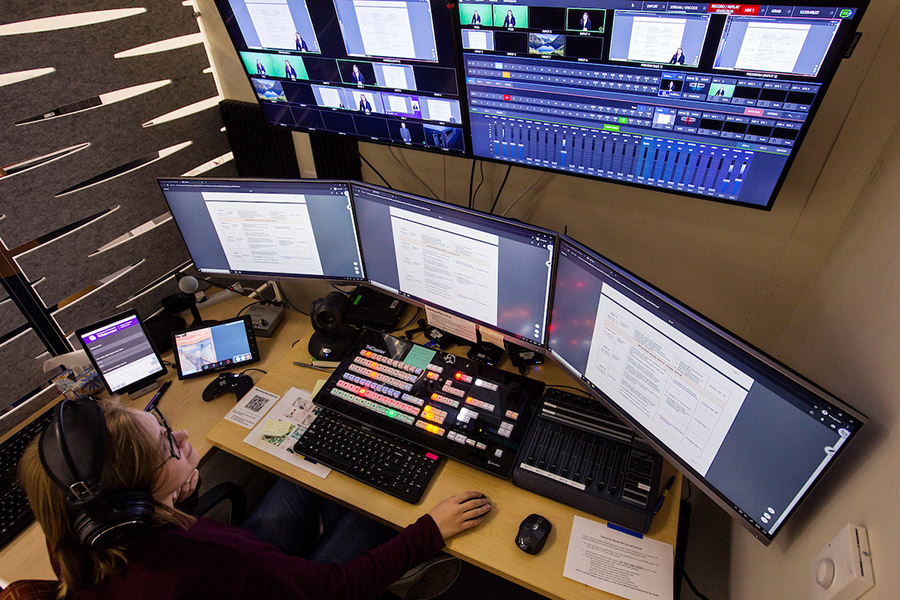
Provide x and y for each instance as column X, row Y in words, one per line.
column 174, row 450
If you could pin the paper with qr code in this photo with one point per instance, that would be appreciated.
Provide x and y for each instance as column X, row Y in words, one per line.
column 296, row 410
column 251, row 407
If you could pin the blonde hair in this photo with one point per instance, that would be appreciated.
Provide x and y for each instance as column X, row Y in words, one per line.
column 132, row 462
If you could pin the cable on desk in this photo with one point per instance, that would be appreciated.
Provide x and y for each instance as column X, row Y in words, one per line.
column 248, row 306
column 245, row 370
column 291, row 304
column 690, row 583
column 168, row 364
column 410, row 322
column 690, row 489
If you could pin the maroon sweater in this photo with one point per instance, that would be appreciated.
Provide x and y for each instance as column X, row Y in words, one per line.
column 211, row 560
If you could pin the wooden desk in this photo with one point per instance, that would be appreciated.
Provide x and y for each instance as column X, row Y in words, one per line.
column 26, row 556
column 489, row 546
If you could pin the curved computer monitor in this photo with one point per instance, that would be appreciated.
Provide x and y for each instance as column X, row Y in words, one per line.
column 267, row 229
column 709, row 100
column 375, row 70
column 495, row 272
column 752, row 433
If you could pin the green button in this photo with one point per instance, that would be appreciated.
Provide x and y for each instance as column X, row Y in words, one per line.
column 623, row 120
column 610, row 128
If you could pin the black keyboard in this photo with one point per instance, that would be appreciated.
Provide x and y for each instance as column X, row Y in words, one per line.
column 389, row 464
column 577, row 452
column 15, row 514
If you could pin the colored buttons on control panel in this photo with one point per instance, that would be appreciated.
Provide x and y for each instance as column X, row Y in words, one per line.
column 391, row 362
column 435, row 397
column 373, row 406
column 488, row 385
column 430, row 428
column 412, row 399
column 386, row 369
column 377, row 397
column 460, row 376
column 480, row 404
column 448, row 388
column 512, row 415
column 434, row 414
column 391, row 381
column 372, row 385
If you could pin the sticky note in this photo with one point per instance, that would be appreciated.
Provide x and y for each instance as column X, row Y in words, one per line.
column 419, row 357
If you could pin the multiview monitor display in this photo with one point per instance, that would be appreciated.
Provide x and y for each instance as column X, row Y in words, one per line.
column 753, row 434
column 711, row 100
column 376, row 70
column 267, row 229
column 492, row 271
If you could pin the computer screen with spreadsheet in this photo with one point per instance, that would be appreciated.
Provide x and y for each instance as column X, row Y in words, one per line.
column 495, row 272
column 706, row 99
column 269, row 229
column 753, row 434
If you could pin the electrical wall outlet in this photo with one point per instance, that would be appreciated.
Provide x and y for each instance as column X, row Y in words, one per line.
column 843, row 569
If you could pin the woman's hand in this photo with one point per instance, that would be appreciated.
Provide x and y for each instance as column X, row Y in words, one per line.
column 458, row 513
column 187, row 488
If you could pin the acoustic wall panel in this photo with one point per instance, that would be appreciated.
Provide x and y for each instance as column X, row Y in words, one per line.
column 97, row 101
column 10, row 316
column 24, row 356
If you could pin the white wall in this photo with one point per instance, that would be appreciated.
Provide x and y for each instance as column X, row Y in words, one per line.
column 812, row 282
column 845, row 334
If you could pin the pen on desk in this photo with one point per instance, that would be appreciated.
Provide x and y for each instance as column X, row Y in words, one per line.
column 665, row 492
column 155, row 400
column 309, row 366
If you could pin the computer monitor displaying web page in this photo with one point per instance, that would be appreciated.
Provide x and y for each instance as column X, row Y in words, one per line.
column 753, row 434
column 492, row 271
column 707, row 99
column 378, row 70
column 121, row 351
column 268, row 229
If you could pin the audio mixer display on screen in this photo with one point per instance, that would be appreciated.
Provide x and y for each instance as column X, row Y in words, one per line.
column 705, row 99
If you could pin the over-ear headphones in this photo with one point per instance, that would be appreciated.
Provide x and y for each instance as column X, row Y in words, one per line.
column 72, row 451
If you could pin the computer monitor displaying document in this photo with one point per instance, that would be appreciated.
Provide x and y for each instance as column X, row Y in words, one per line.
column 711, row 100
column 376, row 70
column 489, row 270
column 267, row 229
column 752, row 433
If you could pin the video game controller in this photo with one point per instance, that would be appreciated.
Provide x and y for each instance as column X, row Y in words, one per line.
column 228, row 382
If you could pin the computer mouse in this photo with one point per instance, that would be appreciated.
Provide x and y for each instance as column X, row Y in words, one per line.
column 533, row 532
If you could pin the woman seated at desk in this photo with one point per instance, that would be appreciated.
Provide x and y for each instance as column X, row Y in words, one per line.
column 178, row 556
